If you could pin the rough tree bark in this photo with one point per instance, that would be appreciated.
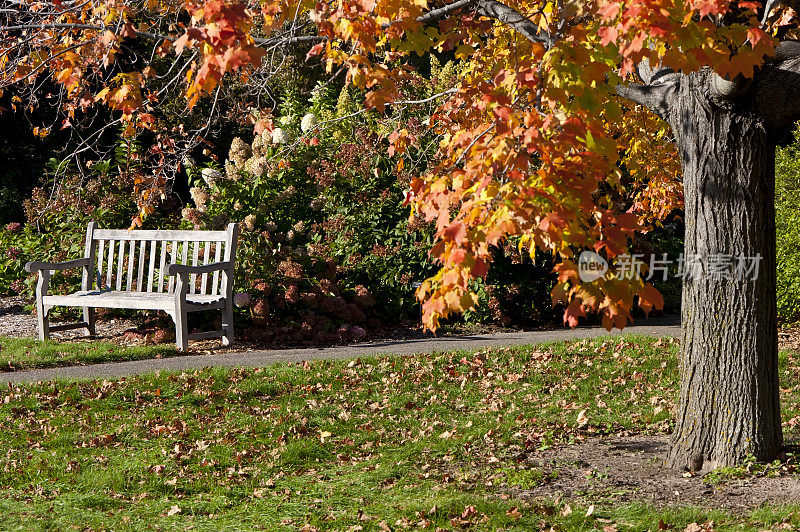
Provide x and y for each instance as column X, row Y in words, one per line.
column 729, row 396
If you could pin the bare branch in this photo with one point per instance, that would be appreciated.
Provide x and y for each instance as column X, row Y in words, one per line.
column 436, row 14
column 514, row 20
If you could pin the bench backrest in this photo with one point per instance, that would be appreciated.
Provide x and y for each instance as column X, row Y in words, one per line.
column 137, row 260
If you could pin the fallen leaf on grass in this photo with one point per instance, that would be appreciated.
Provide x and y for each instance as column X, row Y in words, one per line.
column 583, row 419
column 175, row 509
column 514, row 513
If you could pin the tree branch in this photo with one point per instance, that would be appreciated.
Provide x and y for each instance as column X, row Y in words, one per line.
column 514, row 20
column 655, row 97
column 436, row 14
column 726, row 89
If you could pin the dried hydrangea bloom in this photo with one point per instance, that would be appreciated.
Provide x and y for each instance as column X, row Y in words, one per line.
column 190, row 214
column 308, row 122
column 239, row 145
column 250, row 222
column 317, row 203
column 239, row 161
column 270, row 226
column 290, row 234
column 280, row 136
column 231, row 172
column 260, row 145
column 200, row 198
column 299, row 226
column 237, row 206
column 255, row 166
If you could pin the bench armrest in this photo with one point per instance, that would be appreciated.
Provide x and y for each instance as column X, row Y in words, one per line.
column 175, row 269
column 34, row 266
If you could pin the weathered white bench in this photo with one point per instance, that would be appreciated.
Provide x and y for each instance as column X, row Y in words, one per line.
column 147, row 270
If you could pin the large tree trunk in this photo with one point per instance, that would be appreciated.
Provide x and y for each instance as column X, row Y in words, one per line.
column 729, row 395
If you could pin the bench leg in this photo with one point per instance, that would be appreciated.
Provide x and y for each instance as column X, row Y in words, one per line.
column 42, row 285
column 181, row 330
column 88, row 317
column 43, row 321
column 227, row 323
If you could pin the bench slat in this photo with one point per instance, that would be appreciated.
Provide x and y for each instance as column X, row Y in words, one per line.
column 100, row 251
column 110, row 267
column 173, row 256
column 130, row 300
column 193, row 277
column 159, row 235
column 185, row 253
column 128, row 284
column 121, row 264
column 163, row 266
column 217, row 258
column 140, row 273
column 152, row 268
column 206, row 259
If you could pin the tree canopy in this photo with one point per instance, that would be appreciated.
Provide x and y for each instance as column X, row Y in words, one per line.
column 546, row 138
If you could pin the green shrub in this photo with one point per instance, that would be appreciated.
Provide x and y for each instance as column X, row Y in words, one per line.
column 787, row 216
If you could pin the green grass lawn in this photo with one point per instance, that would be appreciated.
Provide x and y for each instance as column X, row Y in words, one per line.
column 423, row 443
column 26, row 353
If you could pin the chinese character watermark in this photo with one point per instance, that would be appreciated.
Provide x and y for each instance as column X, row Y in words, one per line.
column 714, row 266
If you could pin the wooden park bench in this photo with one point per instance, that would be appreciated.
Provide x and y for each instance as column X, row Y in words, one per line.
column 147, row 270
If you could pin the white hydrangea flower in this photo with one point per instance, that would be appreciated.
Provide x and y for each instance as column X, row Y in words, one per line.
column 255, row 166
column 238, row 145
column 260, row 145
column 239, row 161
column 231, row 171
column 280, row 136
column 286, row 120
column 308, row 122
column 210, row 175
column 200, row 198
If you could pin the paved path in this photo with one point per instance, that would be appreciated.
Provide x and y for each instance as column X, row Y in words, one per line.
column 654, row 327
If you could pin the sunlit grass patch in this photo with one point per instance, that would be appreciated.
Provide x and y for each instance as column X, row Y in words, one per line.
column 379, row 443
column 27, row 353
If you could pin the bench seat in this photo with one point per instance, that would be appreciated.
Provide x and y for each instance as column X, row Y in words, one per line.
column 132, row 300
